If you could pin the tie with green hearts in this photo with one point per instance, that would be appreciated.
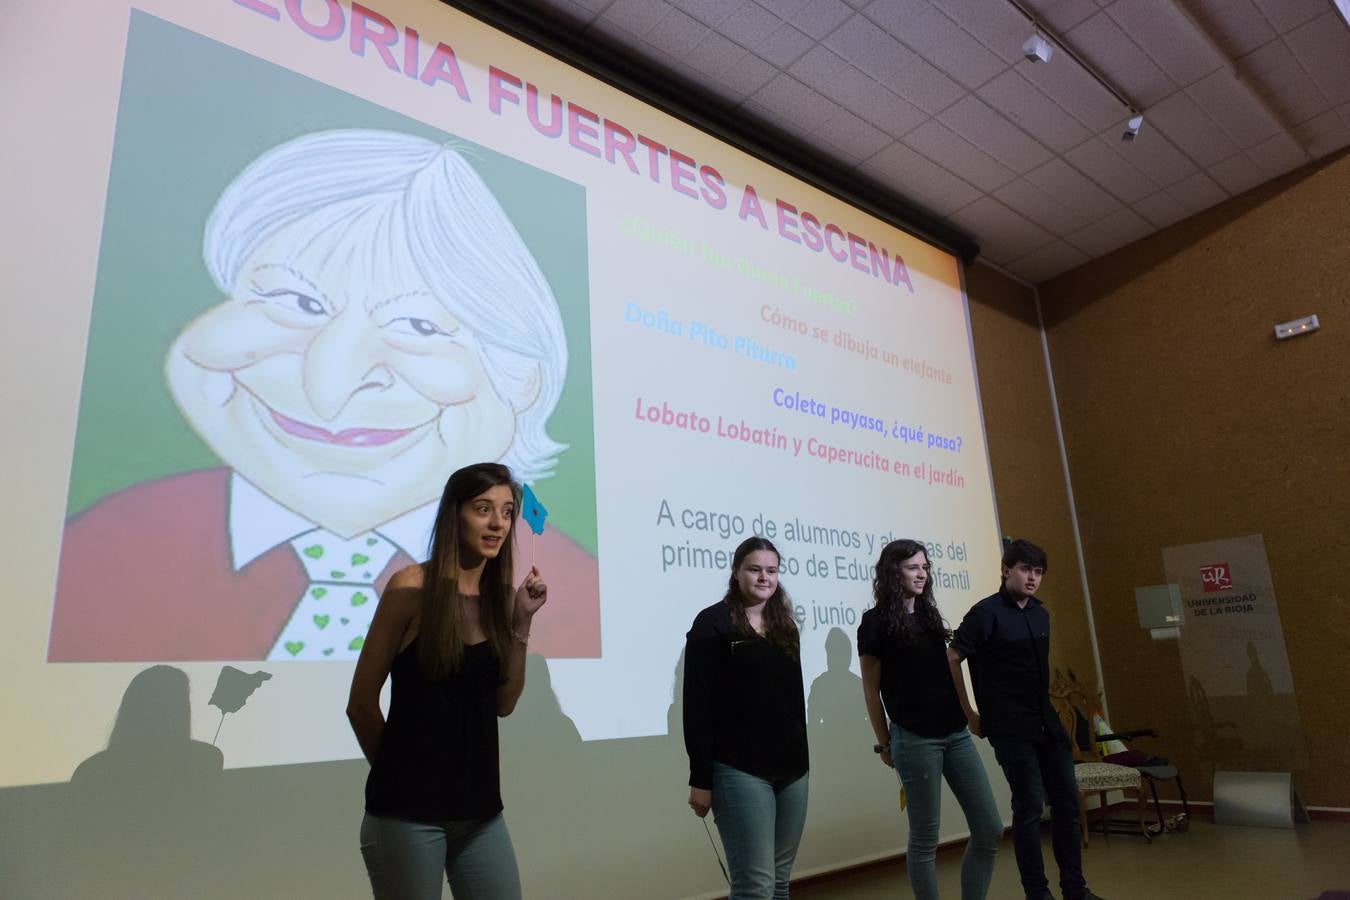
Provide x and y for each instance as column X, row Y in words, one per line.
column 332, row 616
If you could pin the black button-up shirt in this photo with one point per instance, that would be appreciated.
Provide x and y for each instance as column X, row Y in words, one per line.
column 1009, row 651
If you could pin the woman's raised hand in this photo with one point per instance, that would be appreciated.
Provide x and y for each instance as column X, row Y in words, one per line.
column 530, row 596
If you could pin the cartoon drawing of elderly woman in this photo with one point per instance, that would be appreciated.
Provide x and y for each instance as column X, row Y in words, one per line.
column 384, row 324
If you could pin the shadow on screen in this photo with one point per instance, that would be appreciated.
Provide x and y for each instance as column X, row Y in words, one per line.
column 157, row 814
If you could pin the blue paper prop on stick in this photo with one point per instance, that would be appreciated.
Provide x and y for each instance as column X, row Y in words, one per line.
column 532, row 511
column 534, row 514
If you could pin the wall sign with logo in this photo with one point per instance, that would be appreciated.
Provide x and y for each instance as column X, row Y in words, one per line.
column 1243, row 707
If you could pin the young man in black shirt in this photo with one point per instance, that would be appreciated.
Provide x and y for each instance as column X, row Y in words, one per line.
column 1006, row 637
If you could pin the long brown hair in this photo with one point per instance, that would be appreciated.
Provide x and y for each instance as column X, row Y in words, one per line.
column 780, row 626
column 440, row 642
column 888, row 592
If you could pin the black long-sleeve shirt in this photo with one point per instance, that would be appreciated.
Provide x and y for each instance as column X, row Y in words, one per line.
column 743, row 703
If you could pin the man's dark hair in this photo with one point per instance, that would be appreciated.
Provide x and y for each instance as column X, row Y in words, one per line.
column 1023, row 551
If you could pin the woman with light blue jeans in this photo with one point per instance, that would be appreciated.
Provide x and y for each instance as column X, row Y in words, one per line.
column 745, row 724
column 902, row 646
column 450, row 635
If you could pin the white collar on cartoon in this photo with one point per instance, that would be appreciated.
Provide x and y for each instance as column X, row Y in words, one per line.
column 258, row 524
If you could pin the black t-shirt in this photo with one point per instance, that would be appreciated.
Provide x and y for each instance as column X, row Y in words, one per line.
column 438, row 756
column 743, row 703
column 916, row 685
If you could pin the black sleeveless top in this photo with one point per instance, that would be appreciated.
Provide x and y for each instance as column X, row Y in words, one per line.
column 438, row 757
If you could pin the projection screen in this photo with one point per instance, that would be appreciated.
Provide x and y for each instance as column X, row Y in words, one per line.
column 275, row 269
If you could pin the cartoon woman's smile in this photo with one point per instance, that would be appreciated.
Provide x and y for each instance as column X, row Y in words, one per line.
column 347, row 437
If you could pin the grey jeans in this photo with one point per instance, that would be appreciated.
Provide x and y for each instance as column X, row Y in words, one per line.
column 405, row 859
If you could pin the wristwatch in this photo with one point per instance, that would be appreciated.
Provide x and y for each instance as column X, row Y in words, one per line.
column 878, row 748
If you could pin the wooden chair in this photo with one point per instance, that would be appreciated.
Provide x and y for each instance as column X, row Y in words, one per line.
column 1153, row 769
column 1093, row 775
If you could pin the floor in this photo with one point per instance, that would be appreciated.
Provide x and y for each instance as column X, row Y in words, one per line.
column 1208, row 861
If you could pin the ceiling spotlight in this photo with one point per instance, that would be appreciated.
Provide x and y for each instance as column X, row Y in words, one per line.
column 1132, row 128
column 1037, row 48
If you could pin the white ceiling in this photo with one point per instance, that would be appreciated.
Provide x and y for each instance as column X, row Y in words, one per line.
column 934, row 99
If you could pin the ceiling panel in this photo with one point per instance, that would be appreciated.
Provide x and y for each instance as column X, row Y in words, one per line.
column 1115, row 231
column 1323, row 47
column 1278, row 155
column 784, row 7
column 749, row 24
column 1324, row 133
column 677, row 33
column 923, row 179
column 1050, row 260
column 944, row 44
column 1074, row 189
column 874, row 102
column 1041, row 207
column 820, row 17
column 819, row 65
column 1061, row 15
column 1237, row 173
column 1074, row 91
column 933, row 100
column 995, row 135
column 1236, row 25
column 938, row 142
column 1167, row 37
column 709, row 12
column 636, row 17
column 1099, row 161
column 1185, row 124
column 1162, row 209
column 715, row 54
column 1151, row 153
column 784, row 45
column 1009, row 234
column 996, row 25
column 1036, row 113
column 894, row 15
column 747, row 74
column 1120, row 60
column 1285, row 15
column 1198, row 192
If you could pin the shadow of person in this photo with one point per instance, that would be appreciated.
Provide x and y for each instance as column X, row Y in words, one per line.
column 836, row 696
column 151, row 747
column 540, row 751
column 837, row 727
column 675, row 712
column 539, row 705
column 1259, row 686
column 1263, row 720
column 141, row 810
column 1219, row 743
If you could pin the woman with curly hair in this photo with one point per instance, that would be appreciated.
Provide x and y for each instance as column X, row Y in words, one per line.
column 902, row 645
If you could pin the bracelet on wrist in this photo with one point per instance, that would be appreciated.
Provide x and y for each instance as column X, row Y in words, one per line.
column 523, row 638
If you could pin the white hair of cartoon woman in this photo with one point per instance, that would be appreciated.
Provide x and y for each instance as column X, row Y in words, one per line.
column 464, row 246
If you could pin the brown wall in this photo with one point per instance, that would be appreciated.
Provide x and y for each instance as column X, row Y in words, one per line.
column 1185, row 421
column 1033, row 501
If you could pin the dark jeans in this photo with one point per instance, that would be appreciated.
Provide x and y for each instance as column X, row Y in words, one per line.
column 1038, row 771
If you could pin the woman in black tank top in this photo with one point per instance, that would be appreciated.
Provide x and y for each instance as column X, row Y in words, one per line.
column 452, row 635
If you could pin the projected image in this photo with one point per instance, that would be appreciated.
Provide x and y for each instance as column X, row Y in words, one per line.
column 378, row 321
